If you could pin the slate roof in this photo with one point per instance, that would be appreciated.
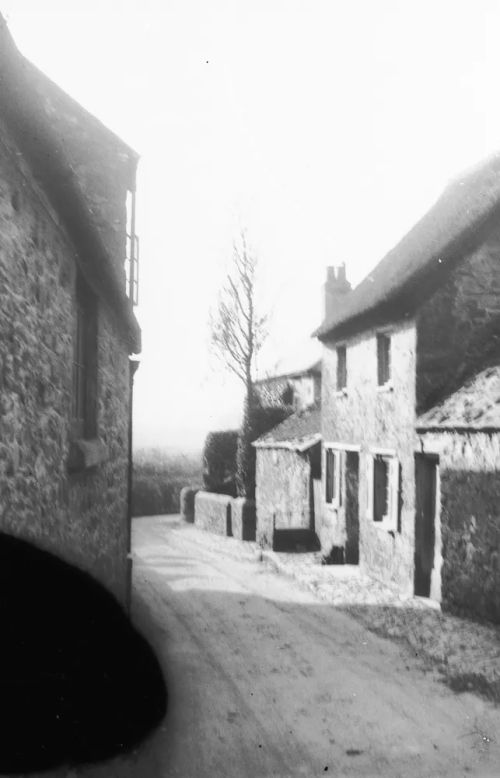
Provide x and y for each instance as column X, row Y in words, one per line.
column 83, row 167
column 474, row 407
column 298, row 432
column 417, row 262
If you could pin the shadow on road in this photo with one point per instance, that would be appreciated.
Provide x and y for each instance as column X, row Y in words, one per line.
column 265, row 680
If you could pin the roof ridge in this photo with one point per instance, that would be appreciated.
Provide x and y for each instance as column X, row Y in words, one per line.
column 462, row 208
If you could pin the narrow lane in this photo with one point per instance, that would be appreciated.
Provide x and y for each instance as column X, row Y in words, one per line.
column 266, row 680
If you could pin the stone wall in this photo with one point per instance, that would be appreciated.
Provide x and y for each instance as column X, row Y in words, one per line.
column 186, row 500
column 469, row 467
column 243, row 518
column 369, row 416
column 283, row 492
column 81, row 517
column 457, row 325
column 212, row 512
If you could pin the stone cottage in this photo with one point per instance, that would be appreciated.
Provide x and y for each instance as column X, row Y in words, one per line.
column 396, row 462
column 288, row 481
column 300, row 389
column 67, row 326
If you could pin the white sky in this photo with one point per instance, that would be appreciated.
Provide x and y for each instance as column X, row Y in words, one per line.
column 326, row 128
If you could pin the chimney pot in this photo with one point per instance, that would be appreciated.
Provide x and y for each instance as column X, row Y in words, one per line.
column 336, row 287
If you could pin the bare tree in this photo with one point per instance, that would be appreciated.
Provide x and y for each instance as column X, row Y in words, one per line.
column 237, row 334
column 237, row 330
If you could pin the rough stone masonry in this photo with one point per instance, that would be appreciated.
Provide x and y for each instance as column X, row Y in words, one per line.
column 81, row 516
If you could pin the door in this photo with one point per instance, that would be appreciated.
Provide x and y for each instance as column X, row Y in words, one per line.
column 426, row 468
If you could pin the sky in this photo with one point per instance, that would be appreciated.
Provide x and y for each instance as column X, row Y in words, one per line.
column 323, row 128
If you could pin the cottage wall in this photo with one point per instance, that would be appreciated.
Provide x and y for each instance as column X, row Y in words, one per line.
column 469, row 467
column 283, row 496
column 455, row 326
column 81, row 517
column 306, row 390
column 366, row 415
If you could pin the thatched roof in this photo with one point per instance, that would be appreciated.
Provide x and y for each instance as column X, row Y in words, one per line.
column 298, row 432
column 84, row 168
column 312, row 370
column 421, row 259
column 474, row 407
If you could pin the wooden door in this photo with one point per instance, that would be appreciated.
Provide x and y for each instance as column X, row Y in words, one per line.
column 425, row 521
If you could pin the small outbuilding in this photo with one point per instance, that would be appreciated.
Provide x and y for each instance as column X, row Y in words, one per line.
column 463, row 435
column 288, row 482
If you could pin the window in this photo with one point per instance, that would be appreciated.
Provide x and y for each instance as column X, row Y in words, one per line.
column 333, row 476
column 383, row 358
column 341, row 368
column 84, row 363
column 383, row 490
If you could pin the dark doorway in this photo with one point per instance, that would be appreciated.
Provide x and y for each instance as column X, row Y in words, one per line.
column 425, row 518
column 352, row 507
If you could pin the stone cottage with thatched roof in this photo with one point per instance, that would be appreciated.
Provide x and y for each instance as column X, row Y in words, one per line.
column 409, row 432
column 67, row 326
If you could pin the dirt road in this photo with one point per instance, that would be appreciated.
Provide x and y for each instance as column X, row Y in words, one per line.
column 265, row 680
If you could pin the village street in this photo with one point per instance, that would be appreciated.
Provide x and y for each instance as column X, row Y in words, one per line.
column 266, row 680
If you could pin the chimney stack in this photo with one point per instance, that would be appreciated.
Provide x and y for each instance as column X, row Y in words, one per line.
column 336, row 287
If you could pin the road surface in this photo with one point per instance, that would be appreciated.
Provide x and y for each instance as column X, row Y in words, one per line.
column 266, row 680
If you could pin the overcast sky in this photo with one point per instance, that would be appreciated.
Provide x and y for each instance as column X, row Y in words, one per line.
column 325, row 128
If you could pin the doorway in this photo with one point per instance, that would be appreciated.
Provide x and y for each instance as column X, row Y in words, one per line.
column 426, row 473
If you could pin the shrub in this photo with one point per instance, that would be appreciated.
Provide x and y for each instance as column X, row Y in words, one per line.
column 219, row 458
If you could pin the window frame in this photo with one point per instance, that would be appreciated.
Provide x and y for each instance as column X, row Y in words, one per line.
column 390, row 521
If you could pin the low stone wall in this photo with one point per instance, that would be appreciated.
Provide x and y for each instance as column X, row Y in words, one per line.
column 243, row 518
column 213, row 513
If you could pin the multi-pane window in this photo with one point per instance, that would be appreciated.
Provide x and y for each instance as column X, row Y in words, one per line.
column 383, row 490
column 333, row 476
column 383, row 358
column 84, row 363
column 341, row 367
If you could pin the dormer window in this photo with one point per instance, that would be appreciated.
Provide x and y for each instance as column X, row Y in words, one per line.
column 341, row 368
column 383, row 358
